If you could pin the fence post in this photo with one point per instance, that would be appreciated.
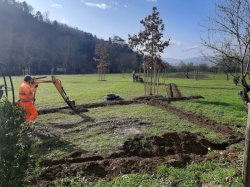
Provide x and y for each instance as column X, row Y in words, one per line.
column 246, row 160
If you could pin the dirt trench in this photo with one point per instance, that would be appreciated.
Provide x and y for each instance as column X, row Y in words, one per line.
column 141, row 154
column 203, row 121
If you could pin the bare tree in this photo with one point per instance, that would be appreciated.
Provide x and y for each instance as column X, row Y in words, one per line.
column 118, row 40
column 228, row 35
column 228, row 67
column 67, row 45
column 203, row 67
column 39, row 16
column 25, row 7
column 150, row 44
column 46, row 17
column 102, row 53
column 186, row 68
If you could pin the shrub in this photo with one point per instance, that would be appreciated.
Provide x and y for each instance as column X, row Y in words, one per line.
column 14, row 150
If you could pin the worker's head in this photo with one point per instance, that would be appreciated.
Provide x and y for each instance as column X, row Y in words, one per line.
column 27, row 78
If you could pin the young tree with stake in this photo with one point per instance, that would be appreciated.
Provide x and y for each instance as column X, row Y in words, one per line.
column 150, row 44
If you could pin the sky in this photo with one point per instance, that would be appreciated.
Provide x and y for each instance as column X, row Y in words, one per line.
column 107, row 18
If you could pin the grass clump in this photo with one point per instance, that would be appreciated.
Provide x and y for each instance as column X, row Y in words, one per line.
column 194, row 175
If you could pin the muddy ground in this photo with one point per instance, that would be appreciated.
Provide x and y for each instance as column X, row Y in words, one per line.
column 140, row 154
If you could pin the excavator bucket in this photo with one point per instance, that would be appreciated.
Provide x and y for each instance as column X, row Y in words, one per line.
column 71, row 103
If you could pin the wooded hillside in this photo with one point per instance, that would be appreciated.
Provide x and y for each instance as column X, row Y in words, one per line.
column 31, row 41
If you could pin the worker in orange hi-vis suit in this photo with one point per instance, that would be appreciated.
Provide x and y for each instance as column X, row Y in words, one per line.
column 26, row 100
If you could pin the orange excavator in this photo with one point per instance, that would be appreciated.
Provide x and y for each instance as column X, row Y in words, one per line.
column 7, row 88
column 59, row 87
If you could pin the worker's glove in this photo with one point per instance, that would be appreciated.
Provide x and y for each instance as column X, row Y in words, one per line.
column 36, row 85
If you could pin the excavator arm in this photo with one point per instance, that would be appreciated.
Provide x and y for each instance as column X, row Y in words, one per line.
column 58, row 86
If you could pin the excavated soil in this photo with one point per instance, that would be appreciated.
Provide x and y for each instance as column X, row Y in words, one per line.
column 141, row 154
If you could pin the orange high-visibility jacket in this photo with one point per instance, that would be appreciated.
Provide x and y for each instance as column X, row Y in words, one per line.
column 26, row 92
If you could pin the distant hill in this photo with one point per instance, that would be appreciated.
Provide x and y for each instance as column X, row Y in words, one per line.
column 194, row 60
column 33, row 42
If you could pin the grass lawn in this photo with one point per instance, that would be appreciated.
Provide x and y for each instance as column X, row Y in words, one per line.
column 221, row 104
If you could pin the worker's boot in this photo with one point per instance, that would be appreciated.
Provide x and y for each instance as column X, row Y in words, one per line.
column 28, row 124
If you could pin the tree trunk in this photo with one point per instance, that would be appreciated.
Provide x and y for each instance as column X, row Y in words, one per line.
column 103, row 74
column 151, row 82
column 145, row 80
column 186, row 73
column 243, row 94
column 246, row 159
column 158, row 80
column 147, row 83
column 154, row 82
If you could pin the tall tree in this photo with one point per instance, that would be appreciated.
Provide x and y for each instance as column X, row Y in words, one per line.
column 150, row 44
column 229, row 35
column 39, row 16
column 67, row 46
column 26, row 7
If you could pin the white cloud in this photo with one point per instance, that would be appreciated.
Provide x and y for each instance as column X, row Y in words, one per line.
column 193, row 47
column 101, row 6
column 114, row 2
column 55, row 5
column 175, row 43
column 64, row 21
column 152, row 0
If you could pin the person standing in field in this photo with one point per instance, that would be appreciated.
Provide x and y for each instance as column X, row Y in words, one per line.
column 26, row 100
column 133, row 75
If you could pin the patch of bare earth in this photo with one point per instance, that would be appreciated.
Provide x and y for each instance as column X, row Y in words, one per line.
column 140, row 154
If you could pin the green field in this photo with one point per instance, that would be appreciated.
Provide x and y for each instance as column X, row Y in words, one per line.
column 221, row 103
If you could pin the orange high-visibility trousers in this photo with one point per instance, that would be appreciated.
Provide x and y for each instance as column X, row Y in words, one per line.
column 31, row 112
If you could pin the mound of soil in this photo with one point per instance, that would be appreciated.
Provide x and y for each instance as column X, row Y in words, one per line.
column 141, row 154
